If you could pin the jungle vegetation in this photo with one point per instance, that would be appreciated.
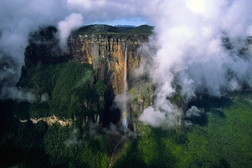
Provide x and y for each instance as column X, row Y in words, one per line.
column 219, row 138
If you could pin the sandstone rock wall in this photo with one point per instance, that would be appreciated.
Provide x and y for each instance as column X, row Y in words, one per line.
column 107, row 54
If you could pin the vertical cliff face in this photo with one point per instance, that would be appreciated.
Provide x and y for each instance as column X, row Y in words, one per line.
column 111, row 55
column 107, row 54
column 43, row 49
column 104, row 52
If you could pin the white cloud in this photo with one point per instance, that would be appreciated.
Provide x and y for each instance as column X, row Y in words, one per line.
column 188, row 39
column 17, row 94
column 71, row 22
column 194, row 112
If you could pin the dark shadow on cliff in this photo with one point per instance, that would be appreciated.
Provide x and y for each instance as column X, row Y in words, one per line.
column 43, row 48
column 110, row 114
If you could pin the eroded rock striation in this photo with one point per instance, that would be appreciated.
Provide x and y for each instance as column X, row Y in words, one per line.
column 105, row 52
column 110, row 54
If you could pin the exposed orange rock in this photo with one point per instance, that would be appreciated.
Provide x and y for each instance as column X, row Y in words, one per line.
column 107, row 54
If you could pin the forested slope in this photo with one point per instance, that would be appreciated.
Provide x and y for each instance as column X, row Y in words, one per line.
column 221, row 137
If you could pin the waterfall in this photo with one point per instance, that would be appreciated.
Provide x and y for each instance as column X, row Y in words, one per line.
column 125, row 82
column 125, row 115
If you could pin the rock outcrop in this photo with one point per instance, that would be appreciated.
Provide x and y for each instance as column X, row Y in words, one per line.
column 106, row 52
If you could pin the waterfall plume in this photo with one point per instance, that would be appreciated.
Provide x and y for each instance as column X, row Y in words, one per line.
column 125, row 116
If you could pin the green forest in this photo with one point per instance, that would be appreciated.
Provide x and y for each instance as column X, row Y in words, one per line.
column 221, row 138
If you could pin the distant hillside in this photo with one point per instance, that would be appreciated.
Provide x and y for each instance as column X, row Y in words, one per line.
column 143, row 29
column 107, row 29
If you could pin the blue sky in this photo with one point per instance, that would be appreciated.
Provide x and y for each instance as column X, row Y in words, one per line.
column 124, row 21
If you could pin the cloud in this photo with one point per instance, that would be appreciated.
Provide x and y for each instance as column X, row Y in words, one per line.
column 167, row 116
column 17, row 94
column 121, row 101
column 73, row 139
column 152, row 117
column 190, row 50
column 18, row 19
column 193, row 112
column 71, row 22
column 44, row 97
column 85, row 79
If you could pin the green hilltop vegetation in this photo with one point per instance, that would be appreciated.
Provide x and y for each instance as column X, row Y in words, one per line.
column 107, row 29
column 223, row 139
